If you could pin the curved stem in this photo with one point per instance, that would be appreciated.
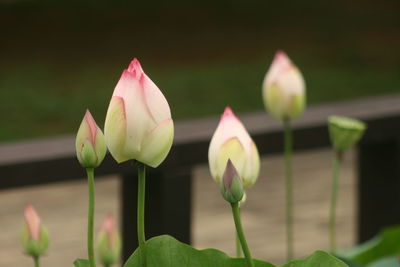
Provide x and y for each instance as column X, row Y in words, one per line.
column 240, row 234
column 90, row 175
column 332, row 213
column 239, row 253
column 140, row 213
column 36, row 261
column 289, row 188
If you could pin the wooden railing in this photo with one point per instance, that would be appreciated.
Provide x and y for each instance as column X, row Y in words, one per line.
column 168, row 198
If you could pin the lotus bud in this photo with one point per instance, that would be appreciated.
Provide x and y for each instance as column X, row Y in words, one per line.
column 284, row 89
column 231, row 141
column 345, row 132
column 138, row 123
column 34, row 236
column 90, row 143
column 109, row 242
column 231, row 186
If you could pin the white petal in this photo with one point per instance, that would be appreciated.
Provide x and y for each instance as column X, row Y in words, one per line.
column 157, row 144
column 251, row 170
column 155, row 100
column 115, row 129
column 232, row 149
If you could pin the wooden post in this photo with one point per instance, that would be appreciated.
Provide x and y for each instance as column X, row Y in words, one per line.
column 168, row 206
column 379, row 185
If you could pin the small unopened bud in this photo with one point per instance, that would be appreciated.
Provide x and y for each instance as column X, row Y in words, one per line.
column 109, row 242
column 90, row 143
column 284, row 88
column 34, row 236
column 231, row 186
column 345, row 132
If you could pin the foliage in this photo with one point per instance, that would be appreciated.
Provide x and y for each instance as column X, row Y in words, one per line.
column 81, row 263
column 382, row 246
column 166, row 251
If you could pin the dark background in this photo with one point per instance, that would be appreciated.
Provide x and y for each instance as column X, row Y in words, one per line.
column 60, row 57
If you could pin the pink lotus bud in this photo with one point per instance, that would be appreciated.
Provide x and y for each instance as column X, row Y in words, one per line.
column 34, row 237
column 284, row 88
column 109, row 242
column 90, row 144
column 138, row 122
column 231, row 141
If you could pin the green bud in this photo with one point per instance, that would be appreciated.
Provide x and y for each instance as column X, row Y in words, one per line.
column 284, row 89
column 34, row 236
column 35, row 248
column 345, row 132
column 109, row 243
column 231, row 186
column 90, row 143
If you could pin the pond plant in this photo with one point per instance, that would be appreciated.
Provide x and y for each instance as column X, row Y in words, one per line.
column 139, row 128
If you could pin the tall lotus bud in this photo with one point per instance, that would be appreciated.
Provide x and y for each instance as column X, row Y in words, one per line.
column 138, row 123
column 231, row 141
column 34, row 236
column 284, row 88
column 231, row 186
column 345, row 132
column 109, row 242
column 90, row 143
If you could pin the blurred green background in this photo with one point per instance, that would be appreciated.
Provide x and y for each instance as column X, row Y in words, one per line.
column 60, row 57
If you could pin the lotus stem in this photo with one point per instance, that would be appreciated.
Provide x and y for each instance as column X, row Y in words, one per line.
column 332, row 215
column 140, row 213
column 90, row 175
column 288, row 147
column 240, row 234
column 36, row 261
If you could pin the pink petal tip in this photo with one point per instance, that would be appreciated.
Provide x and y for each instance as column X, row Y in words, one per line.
column 228, row 112
column 281, row 56
column 33, row 221
column 135, row 68
column 92, row 126
column 108, row 224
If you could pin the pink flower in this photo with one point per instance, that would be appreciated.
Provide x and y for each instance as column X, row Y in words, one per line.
column 138, row 122
column 231, row 141
column 109, row 242
column 284, row 88
column 34, row 236
column 90, row 144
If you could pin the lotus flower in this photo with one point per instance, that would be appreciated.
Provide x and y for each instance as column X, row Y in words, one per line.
column 90, row 144
column 138, row 123
column 232, row 142
column 109, row 242
column 284, row 88
column 34, row 236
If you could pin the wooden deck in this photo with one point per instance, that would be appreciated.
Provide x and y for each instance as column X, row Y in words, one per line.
column 63, row 209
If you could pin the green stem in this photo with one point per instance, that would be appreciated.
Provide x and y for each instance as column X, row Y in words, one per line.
column 36, row 261
column 140, row 213
column 332, row 213
column 289, row 188
column 90, row 175
column 240, row 234
column 239, row 253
